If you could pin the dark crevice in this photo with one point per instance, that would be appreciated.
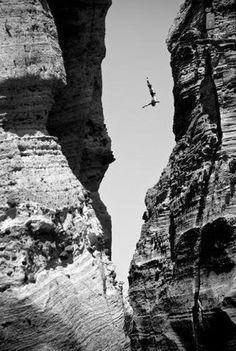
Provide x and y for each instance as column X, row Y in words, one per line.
column 212, row 331
column 209, row 96
column 210, row 106
column 216, row 237
column 183, row 107
column 211, row 253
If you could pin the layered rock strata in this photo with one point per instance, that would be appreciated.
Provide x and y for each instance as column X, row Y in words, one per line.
column 57, row 286
column 183, row 274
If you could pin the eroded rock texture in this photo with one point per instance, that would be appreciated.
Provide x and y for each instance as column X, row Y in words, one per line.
column 57, row 285
column 183, row 273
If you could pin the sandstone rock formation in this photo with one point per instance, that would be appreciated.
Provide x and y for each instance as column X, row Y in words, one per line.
column 183, row 273
column 57, row 286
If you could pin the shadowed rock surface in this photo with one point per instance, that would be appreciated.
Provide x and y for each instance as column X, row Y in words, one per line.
column 183, row 274
column 57, row 286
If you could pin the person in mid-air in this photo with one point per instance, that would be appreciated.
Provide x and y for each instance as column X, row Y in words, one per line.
column 154, row 100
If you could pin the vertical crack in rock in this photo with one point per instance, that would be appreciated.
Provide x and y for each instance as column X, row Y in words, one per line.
column 182, row 276
column 208, row 95
column 210, row 106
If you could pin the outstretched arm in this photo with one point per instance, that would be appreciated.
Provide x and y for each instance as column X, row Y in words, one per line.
column 147, row 105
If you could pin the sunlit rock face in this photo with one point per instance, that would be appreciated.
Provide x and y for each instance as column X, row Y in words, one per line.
column 57, row 286
column 183, row 274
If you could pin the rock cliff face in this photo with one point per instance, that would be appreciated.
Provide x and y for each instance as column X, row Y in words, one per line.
column 57, row 285
column 183, row 273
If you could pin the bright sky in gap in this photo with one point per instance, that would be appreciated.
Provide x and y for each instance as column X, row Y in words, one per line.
column 142, row 139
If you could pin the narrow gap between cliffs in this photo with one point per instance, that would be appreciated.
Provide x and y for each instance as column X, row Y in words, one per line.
column 210, row 106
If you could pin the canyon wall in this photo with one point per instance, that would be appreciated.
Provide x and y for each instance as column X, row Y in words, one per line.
column 57, row 285
column 183, row 273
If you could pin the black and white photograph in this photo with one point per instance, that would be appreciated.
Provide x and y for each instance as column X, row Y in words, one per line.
column 117, row 175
